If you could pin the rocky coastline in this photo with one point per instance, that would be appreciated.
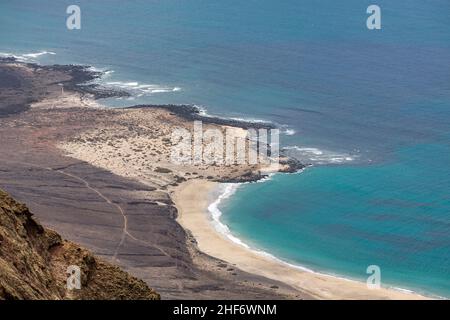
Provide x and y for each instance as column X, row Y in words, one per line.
column 83, row 171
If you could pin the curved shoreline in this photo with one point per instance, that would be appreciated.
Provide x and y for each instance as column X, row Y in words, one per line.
column 197, row 202
column 193, row 199
column 224, row 229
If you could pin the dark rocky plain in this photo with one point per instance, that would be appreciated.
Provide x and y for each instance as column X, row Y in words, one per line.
column 118, row 219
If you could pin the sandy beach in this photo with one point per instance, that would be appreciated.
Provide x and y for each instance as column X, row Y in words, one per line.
column 101, row 178
column 61, row 148
column 192, row 199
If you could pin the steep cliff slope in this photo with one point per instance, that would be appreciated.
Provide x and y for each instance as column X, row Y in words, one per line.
column 34, row 262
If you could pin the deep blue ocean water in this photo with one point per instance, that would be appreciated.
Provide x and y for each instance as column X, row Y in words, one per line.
column 370, row 110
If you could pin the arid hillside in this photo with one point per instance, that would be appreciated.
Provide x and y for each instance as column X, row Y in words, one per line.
column 34, row 262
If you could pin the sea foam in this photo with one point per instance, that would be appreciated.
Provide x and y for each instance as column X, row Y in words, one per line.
column 319, row 156
column 141, row 89
column 26, row 57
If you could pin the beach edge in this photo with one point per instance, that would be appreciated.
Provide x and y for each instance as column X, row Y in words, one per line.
column 192, row 200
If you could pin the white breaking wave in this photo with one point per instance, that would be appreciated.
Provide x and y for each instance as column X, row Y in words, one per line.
column 38, row 54
column 135, row 88
column 318, row 156
column 248, row 120
column 213, row 208
column 204, row 112
column 27, row 57
column 140, row 90
column 105, row 72
column 289, row 132
column 286, row 130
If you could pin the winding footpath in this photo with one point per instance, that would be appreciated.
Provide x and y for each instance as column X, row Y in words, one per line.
column 125, row 231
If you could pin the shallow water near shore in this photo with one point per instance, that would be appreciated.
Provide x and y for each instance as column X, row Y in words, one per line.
column 340, row 220
column 370, row 110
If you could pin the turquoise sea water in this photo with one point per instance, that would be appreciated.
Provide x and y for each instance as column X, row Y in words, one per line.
column 370, row 110
column 328, row 220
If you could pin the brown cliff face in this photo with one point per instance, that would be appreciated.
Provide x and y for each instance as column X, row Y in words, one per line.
column 34, row 262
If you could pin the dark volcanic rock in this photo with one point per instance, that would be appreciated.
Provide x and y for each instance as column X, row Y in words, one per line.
column 193, row 113
column 120, row 220
column 18, row 89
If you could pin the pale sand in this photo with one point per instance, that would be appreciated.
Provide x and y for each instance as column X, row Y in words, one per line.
column 67, row 99
column 191, row 199
column 134, row 143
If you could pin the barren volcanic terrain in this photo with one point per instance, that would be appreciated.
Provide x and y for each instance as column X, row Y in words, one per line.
column 101, row 178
